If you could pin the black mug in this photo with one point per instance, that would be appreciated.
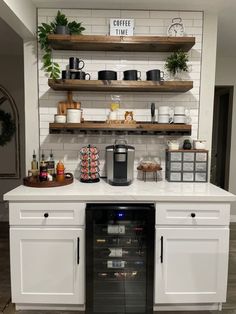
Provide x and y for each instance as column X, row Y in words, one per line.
column 132, row 75
column 65, row 74
column 155, row 75
column 74, row 63
column 81, row 75
column 107, row 75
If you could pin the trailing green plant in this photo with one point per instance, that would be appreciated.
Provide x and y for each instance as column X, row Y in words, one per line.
column 176, row 62
column 53, row 68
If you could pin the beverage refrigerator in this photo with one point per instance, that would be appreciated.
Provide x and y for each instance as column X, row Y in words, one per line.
column 119, row 258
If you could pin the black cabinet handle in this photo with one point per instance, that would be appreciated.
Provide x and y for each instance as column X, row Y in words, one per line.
column 46, row 215
column 193, row 215
column 161, row 249
column 77, row 250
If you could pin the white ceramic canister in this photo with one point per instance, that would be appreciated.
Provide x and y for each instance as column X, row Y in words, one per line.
column 179, row 119
column 164, row 110
column 199, row 144
column 163, row 118
column 60, row 118
column 73, row 115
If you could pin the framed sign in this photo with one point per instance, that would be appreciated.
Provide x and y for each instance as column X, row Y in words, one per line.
column 121, row 27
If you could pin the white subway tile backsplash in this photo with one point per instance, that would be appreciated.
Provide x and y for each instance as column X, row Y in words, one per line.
column 106, row 13
column 77, row 13
column 96, row 105
column 135, row 14
column 164, row 14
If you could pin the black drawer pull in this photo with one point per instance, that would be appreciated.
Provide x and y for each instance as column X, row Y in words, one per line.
column 161, row 249
column 46, row 215
column 77, row 250
column 193, row 215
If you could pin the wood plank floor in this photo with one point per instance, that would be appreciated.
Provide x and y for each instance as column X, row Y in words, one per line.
column 7, row 307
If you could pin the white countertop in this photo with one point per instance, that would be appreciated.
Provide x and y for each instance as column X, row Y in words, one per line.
column 137, row 191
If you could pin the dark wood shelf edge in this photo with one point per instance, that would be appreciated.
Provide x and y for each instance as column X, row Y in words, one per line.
column 120, row 86
column 138, row 128
column 120, row 43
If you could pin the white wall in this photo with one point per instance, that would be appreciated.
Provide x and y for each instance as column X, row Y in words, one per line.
column 12, row 78
column 20, row 16
column 95, row 105
column 226, row 75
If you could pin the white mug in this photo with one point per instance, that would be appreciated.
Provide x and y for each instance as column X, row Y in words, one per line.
column 179, row 110
column 164, row 110
column 173, row 145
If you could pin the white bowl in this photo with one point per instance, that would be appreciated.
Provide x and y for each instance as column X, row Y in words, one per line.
column 60, row 118
column 179, row 119
column 163, row 118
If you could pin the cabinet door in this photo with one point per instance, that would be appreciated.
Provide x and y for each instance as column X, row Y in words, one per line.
column 47, row 265
column 191, row 265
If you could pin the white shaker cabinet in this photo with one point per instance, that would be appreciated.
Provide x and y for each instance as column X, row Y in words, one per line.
column 191, row 265
column 191, row 252
column 47, row 265
column 47, row 251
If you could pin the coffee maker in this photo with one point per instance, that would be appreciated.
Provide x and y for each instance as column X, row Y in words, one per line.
column 120, row 163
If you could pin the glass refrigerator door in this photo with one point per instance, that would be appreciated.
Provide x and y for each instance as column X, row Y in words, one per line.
column 119, row 261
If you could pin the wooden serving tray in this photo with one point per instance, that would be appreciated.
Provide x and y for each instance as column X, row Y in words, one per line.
column 35, row 183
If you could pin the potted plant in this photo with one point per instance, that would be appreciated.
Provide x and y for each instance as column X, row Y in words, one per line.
column 59, row 25
column 176, row 63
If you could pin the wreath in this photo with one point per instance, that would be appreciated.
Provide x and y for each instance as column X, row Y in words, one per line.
column 8, row 128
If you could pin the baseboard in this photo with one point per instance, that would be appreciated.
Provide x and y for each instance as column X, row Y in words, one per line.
column 188, row 307
column 57, row 307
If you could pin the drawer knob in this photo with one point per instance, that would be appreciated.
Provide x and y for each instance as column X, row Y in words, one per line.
column 46, row 215
column 193, row 215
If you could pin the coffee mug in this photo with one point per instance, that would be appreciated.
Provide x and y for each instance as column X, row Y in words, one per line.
column 81, row 75
column 74, row 63
column 155, row 75
column 107, row 75
column 65, row 74
column 132, row 75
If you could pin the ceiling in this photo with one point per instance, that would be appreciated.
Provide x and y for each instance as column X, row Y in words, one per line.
column 225, row 8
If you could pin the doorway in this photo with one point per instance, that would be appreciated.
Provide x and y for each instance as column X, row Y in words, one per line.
column 221, row 136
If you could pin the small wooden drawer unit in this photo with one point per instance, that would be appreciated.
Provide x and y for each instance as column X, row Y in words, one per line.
column 47, row 214
column 192, row 214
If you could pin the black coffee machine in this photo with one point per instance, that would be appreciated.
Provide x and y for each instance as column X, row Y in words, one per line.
column 120, row 163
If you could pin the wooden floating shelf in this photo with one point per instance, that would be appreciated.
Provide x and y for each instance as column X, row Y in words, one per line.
column 138, row 128
column 120, row 86
column 120, row 43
